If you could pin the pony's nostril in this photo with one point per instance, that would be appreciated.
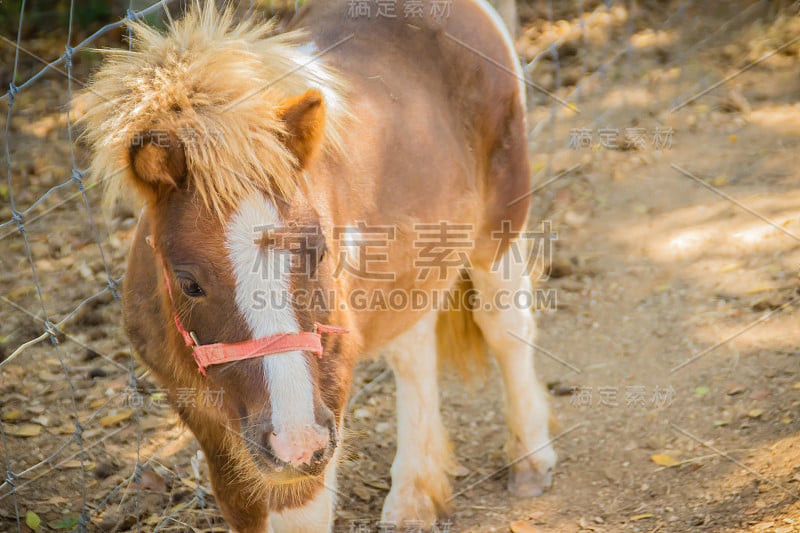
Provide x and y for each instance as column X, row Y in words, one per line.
column 301, row 446
column 319, row 455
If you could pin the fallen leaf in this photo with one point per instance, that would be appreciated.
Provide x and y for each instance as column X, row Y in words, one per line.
column 152, row 481
column 158, row 396
column 735, row 388
column 760, row 395
column 662, row 459
column 12, row 415
column 67, row 522
column 641, row 517
column 32, row 520
column 153, row 422
column 98, row 403
column 522, row 527
column 41, row 420
column 759, row 288
column 363, row 493
column 700, row 391
column 88, row 465
column 24, row 430
column 116, row 418
column 44, row 375
column 719, row 181
column 663, row 287
column 755, row 413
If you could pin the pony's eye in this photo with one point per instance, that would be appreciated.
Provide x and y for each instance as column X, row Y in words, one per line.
column 190, row 287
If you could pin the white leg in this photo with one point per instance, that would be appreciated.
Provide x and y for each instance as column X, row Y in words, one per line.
column 317, row 515
column 526, row 406
column 420, row 486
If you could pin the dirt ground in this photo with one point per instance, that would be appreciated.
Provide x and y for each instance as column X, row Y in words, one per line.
column 669, row 348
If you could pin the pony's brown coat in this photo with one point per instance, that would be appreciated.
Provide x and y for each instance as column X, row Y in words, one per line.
column 434, row 132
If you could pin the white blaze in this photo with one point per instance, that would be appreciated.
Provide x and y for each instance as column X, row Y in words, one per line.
column 264, row 271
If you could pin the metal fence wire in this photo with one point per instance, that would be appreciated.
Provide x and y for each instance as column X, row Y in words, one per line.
column 88, row 440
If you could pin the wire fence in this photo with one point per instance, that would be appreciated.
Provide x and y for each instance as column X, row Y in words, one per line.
column 87, row 439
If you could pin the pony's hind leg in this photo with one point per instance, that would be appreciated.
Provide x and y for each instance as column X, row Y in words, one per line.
column 420, row 487
column 506, row 331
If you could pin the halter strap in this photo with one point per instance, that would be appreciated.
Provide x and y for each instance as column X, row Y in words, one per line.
column 206, row 355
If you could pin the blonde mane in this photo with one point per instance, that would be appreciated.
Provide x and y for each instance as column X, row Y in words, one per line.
column 216, row 85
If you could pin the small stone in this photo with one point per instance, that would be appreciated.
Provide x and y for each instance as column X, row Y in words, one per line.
column 104, row 470
column 561, row 389
column 97, row 373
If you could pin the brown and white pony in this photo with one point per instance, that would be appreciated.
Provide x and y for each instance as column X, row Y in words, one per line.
column 238, row 143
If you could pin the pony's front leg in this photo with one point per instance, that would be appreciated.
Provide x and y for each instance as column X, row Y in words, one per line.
column 420, row 487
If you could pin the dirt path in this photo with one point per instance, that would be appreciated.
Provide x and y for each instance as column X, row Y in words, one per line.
column 675, row 329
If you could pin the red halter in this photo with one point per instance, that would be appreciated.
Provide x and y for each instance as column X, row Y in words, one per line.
column 206, row 355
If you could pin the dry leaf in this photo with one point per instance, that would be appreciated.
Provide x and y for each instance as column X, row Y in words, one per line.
column 152, row 481
column 662, row 459
column 88, row 465
column 760, row 395
column 759, row 288
column 735, row 388
column 113, row 419
column 522, row 527
column 12, row 415
column 755, row 413
column 641, row 517
column 97, row 403
column 24, row 430
column 44, row 375
column 32, row 520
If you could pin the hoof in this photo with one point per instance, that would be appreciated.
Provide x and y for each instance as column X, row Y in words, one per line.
column 532, row 475
column 525, row 481
column 409, row 506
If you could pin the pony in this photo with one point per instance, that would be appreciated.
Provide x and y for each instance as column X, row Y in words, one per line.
column 281, row 175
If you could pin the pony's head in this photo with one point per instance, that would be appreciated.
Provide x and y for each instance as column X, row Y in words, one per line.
column 213, row 126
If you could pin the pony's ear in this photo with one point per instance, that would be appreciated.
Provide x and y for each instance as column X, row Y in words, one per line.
column 158, row 160
column 304, row 119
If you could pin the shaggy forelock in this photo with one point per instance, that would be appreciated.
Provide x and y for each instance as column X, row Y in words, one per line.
column 215, row 85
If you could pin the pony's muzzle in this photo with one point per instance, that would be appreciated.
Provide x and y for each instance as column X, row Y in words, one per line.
column 300, row 450
column 301, row 447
